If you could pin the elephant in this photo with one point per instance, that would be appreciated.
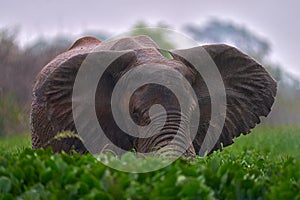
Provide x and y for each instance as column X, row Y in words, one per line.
column 250, row 93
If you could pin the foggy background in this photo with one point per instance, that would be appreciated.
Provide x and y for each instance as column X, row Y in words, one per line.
column 33, row 32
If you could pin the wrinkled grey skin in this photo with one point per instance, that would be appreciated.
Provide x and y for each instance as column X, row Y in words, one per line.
column 250, row 93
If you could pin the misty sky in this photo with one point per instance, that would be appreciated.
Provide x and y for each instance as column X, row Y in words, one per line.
column 276, row 21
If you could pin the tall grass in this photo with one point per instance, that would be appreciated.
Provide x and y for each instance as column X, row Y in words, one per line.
column 277, row 141
column 15, row 143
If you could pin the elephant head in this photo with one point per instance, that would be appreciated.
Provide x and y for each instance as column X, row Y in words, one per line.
column 249, row 91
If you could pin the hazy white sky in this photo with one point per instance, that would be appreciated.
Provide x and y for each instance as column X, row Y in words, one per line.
column 275, row 20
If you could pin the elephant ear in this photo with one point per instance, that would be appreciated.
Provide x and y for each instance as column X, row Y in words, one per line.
column 249, row 90
column 53, row 90
column 46, row 89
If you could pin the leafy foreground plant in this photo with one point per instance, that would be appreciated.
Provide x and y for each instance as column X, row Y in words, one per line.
column 244, row 175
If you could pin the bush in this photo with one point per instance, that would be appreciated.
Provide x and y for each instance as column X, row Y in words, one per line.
column 223, row 175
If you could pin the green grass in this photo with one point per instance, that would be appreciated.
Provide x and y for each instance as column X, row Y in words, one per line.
column 15, row 143
column 275, row 141
column 262, row 165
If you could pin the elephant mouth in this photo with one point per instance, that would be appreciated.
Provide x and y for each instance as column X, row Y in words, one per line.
column 172, row 140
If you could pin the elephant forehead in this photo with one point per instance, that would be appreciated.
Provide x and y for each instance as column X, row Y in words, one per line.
column 149, row 75
column 187, row 72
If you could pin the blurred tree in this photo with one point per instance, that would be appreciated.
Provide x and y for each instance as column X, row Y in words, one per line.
column 217, row 31
column 156, row 33
column 9, row 57
column 19, row 67
column 8, row 48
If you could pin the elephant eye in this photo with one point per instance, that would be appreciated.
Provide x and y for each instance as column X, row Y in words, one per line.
column 135, row 116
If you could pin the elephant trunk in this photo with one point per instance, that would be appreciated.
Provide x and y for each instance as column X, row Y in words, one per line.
column 173, row 140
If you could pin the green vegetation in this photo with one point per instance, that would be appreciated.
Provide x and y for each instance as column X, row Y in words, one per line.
column 262, row 165
column 12, row 119
column 276, row 142
column 15, row 143
column 156, row 33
